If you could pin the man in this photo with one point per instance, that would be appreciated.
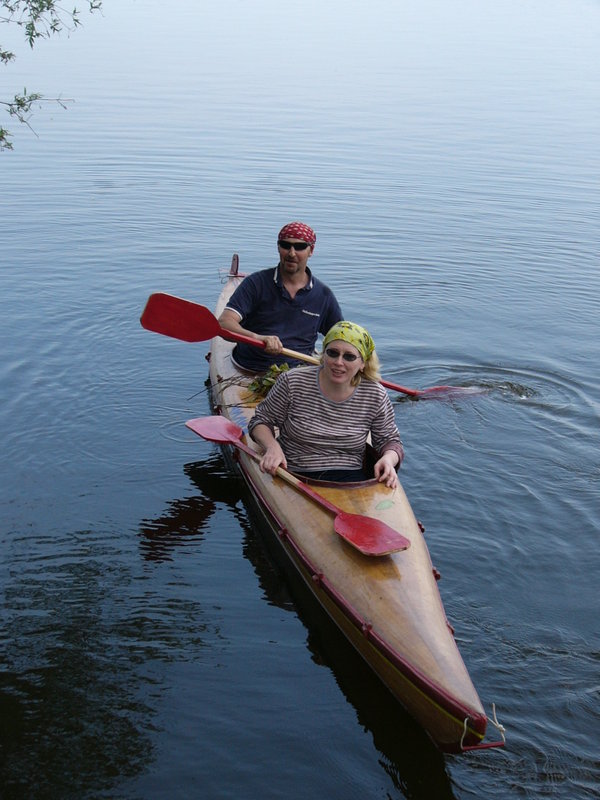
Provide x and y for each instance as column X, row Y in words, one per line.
column 285, row 306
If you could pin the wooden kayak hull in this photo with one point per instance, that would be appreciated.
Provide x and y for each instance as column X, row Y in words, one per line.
column 388, row 607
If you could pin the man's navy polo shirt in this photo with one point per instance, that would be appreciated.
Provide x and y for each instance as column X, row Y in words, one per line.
column 266, row 307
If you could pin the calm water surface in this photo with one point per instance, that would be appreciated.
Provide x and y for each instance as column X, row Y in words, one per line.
column 448, row 157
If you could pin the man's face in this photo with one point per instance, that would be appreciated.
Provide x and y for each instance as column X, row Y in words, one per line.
column 292, row 260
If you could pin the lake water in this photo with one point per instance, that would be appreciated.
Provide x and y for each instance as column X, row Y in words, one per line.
column 448, row 156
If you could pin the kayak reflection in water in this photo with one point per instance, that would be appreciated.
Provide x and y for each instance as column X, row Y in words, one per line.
column 325, row 414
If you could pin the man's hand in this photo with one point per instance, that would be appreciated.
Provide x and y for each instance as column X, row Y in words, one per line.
column 272, row 344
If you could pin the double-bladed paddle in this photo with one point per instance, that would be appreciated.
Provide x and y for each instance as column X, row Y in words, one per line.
column 191, row 322
column 371, row 536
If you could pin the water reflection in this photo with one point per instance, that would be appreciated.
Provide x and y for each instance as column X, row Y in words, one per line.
column 185, row 521
column 74, row 709
column 415, row 766
column 218, row 483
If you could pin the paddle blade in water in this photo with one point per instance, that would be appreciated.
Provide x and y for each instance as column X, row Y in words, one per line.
column 371, row 536
column 448, row 392
column 434, row 392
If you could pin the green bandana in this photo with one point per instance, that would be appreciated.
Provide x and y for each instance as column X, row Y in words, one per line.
column 354, row 335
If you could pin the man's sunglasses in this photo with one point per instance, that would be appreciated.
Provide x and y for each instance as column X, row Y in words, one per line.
column 298, row 246
column 331, row 352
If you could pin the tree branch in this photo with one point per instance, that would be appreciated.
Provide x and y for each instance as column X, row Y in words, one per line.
column 39, row 19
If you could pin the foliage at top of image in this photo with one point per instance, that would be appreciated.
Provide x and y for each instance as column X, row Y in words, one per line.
column 39, row 19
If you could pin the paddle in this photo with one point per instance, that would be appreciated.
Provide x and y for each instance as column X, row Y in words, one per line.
column 371, row 536
column 191, row 322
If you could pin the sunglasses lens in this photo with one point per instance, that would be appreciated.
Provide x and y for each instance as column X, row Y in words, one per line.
column 298, row 246
column 332, row 353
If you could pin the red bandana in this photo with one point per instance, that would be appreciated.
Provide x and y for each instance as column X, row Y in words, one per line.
column 298, row 230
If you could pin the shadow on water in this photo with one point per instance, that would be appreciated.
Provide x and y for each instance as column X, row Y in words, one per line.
column 412, row 762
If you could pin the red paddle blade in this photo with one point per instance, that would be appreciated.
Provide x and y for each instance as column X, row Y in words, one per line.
column 371, row 536
column 180, row 319
column 216, row 429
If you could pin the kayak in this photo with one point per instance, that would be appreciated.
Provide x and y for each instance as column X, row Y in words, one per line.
column 387, row 606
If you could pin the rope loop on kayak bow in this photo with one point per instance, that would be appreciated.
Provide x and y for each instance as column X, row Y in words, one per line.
column 500, row 728
column 484, row 745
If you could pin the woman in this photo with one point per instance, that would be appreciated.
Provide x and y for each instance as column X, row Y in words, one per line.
column 325, row 413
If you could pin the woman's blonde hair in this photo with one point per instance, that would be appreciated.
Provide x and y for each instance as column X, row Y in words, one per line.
column 372, row 368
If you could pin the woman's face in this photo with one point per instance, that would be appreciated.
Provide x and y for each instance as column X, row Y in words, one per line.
column 341, row 361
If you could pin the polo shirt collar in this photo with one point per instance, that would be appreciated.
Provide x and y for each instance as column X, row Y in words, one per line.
column 279, row 282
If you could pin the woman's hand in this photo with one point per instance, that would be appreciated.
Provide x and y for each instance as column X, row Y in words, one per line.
column 273, row 457
column 385, row 469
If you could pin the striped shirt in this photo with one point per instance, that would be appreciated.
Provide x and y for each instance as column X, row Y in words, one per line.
column 316, row 433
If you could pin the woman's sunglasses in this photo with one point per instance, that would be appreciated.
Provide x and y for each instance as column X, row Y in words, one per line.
column 298, row 246
column 331, row 352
